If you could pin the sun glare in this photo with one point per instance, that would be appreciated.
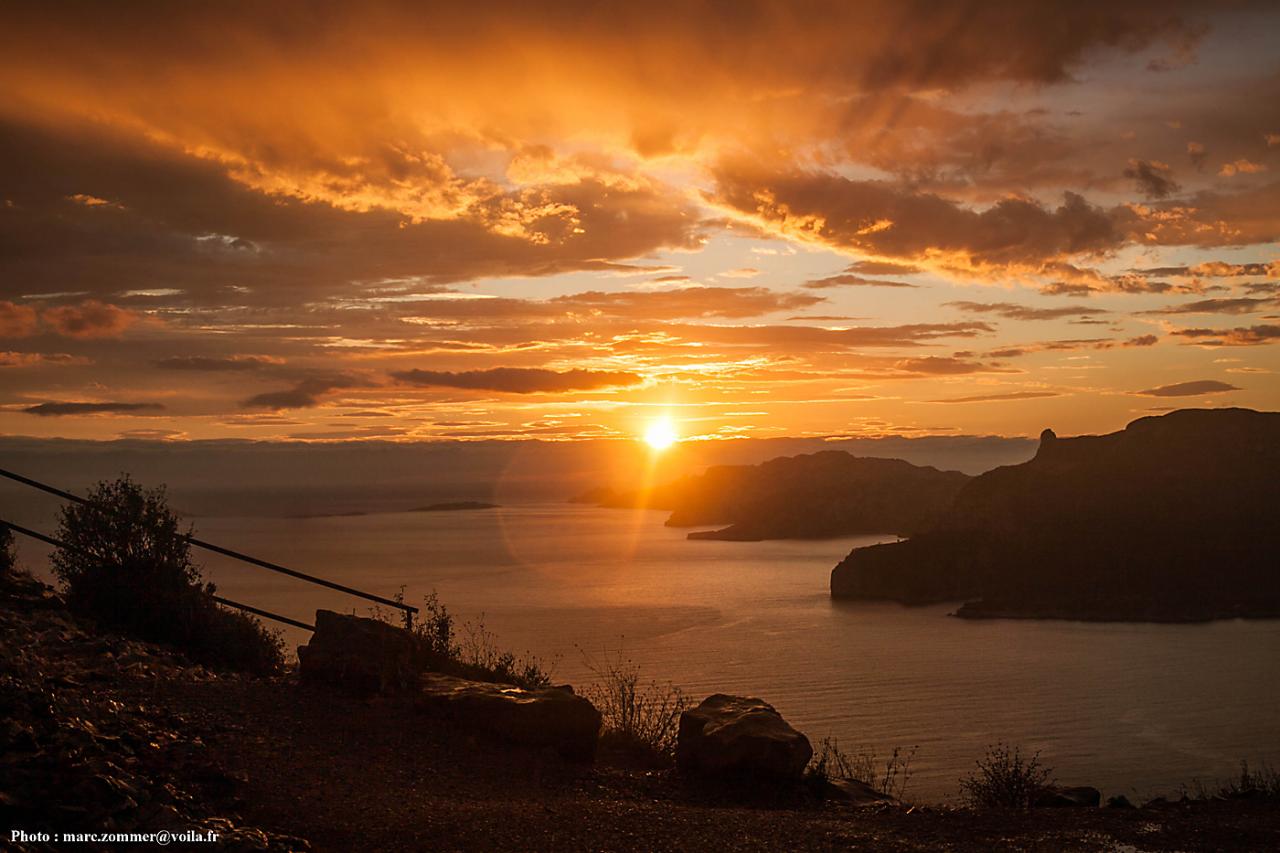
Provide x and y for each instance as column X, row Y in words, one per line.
column 661, row 434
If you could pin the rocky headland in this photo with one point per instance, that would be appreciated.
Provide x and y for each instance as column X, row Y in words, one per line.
column 454, row 506
column 812, row 496
column 1170, row 519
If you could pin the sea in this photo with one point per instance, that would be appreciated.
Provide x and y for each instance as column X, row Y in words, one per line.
column 1133, row 709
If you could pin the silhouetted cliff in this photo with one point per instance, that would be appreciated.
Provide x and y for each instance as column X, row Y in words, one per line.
column 810, row 496
column 1173, row 518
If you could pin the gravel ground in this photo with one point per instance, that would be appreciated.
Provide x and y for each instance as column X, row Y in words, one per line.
column 371, row 775
column 275, row 762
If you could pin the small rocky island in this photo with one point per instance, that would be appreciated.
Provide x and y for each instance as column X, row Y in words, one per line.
column 811, row 496
column 1172, row 519
column 454, row 506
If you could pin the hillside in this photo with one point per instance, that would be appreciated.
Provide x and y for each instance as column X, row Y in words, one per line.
column 105, row 734
column 1170, row 519
column 810, row 496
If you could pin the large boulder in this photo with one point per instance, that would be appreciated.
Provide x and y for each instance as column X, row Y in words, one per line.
column 551, row 717
column 363, row 656
column 733, row 735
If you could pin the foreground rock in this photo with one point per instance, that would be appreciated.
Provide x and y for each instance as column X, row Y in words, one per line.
column 551, row 717
column 733, row 735
column 362, row 656
column 74, row 760
column 854, row 792
column 1058, row 797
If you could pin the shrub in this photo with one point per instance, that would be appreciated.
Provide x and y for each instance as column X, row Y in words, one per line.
column 891, row 778
column 127, row 565
column 1263, row 783
column 1260, row 784
column 478, row 655
column 8, row 556
column 640, row 719
column 1006, row 780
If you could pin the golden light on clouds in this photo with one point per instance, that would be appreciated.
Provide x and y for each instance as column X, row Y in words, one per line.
column 521, row 221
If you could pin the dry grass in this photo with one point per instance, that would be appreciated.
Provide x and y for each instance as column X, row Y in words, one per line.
column 888, row 776
column 641, row 718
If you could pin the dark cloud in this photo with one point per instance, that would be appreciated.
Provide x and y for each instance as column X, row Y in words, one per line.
column 1209, row 218
column 1213, row 269
column 1152, row 178
column 17, row 321
column 1235, row 305
column 56, row 409
column 1071, row 344
column 304, row 395
column 89, row 319
column 185, row 221
column 850, row 280
column 30, row 359
column 829, row 47
column 1013, row 311
column 1189, row 389
column 207, row 363
column 1241, row 336
column 997, row 398
column 519, row 380
column 883, row 219
column 819, row 338
column 881, row 268
column 945, row 366
column 1196, row 152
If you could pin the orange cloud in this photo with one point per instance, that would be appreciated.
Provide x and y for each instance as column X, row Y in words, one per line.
column 17, row 321
column 89, row 319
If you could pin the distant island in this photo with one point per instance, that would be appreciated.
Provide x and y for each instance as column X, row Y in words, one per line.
column 1171, row 519
column 453, row 506
column 811, row 496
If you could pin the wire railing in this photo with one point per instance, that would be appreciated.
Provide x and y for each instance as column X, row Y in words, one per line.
column 408, row 609
column 57, row 543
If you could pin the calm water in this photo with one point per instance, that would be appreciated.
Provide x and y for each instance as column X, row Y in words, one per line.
column 1133, row 709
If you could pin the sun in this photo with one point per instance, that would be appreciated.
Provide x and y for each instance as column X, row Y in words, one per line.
column 661, row 434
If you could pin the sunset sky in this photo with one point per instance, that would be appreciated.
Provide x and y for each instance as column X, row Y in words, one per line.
column 382, row 220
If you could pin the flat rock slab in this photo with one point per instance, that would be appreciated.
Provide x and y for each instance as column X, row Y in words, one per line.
column 1059, row 797
column 735, row 735
column 551, row 717
column 854, row 792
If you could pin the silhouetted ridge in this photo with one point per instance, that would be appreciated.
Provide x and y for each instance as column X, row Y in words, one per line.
column 1172, row 518
column 810, row 496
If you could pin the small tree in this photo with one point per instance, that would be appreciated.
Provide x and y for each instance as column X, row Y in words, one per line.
column 126, row 563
